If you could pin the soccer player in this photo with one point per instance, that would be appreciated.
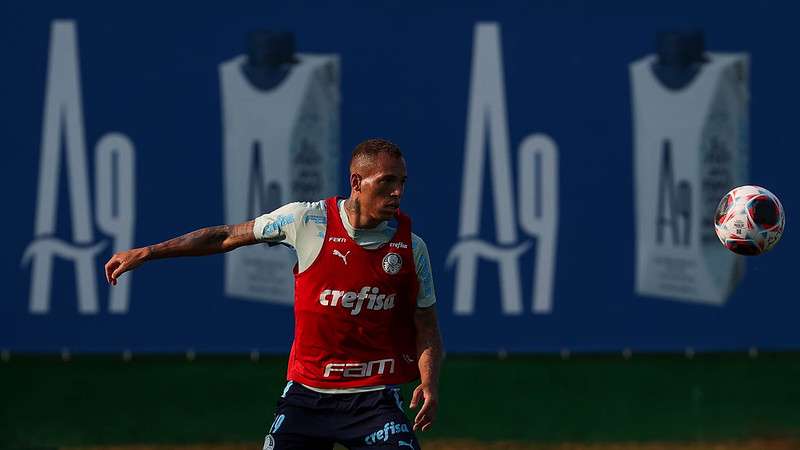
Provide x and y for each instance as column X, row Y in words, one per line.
column 365, row 320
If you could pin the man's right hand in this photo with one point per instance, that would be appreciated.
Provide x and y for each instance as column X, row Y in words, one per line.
column 125, row 261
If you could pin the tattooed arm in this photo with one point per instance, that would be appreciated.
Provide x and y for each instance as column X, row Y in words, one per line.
column 429, row 358
column 204, row 241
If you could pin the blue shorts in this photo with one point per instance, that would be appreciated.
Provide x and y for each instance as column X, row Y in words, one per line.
column 309, row 420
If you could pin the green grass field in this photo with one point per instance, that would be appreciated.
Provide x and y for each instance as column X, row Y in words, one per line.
column 94, row 400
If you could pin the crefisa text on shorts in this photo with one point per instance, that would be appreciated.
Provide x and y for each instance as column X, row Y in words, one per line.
column 383, row 434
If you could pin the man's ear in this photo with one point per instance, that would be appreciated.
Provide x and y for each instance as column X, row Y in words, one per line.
column 355, row 182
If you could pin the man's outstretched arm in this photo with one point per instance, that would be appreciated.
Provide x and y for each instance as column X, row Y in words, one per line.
column 429, row 359
column 204, row 241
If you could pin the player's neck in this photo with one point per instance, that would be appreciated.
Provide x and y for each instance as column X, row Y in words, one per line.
column 356, row 215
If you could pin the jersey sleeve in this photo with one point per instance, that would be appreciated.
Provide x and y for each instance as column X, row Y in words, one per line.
column 427, row 294
column 279, row 226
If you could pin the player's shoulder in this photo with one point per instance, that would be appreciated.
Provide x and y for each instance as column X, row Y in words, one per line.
column 417, row 243
column 318, row 206
column 310, row 212
column 298, row 213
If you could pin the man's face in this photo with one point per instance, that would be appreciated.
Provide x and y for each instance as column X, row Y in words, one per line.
column 381, row 186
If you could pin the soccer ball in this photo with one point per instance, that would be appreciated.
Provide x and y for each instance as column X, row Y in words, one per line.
column 749, row 220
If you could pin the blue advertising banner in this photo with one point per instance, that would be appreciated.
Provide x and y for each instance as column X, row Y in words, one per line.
column 565, row 163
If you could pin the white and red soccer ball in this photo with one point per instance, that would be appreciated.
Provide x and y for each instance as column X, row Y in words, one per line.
column 749, row 220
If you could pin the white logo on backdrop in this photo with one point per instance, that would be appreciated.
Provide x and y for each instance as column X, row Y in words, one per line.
column 537, row 192
column 690, row 148
column 113, row 179
column 281, row 144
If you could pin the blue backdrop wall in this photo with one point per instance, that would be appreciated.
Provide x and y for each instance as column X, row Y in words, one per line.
column 555, row 198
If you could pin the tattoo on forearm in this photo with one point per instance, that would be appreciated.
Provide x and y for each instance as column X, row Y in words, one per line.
column 204, row 241
column 427, row 330
column 199, row 242
column 429, row 344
